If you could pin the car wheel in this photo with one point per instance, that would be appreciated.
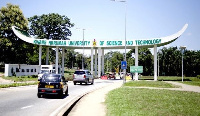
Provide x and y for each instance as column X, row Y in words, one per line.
column 86, row 82
column 92, row 82
column 61, row 95
column 74, row 83
column 66, row 92
column 39, row 95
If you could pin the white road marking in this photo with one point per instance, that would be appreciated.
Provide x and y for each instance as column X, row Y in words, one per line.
column 26, row 107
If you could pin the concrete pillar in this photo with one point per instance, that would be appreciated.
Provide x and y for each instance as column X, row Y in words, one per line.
column 99, row 62
column 136, row 61
column 56, row 59
column 102, row 68
column 40, row 55
column 92, row 61
column 47, row 55
column 155, row 62
column 63, row 61
column 95, row 62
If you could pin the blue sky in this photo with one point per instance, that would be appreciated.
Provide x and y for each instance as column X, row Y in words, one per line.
column 104, row 19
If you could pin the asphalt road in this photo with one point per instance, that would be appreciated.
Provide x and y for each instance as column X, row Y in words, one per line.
column 23, row 101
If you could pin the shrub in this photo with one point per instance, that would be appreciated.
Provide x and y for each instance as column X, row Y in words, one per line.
column 198, row 76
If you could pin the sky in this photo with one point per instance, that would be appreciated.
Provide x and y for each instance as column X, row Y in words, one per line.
column 105, row 19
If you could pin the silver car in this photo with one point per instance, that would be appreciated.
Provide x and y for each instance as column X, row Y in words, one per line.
column 82, row 76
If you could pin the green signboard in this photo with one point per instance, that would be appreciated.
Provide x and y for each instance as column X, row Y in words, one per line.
column 138, row 69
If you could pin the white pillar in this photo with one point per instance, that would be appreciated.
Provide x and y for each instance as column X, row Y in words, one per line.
column 102, row 68
column 155, row 62
column 99, row 62
column 63, row 61
column 136, row 61
column 56, row 59
column 95, row 62
column 92, row 61
column 47, row 55
column 40, row 55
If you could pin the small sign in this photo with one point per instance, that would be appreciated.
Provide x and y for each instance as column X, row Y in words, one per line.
column 123, row 65
column 138, row 69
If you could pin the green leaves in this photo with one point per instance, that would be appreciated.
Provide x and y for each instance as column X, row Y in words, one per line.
column 51, row 26
column 10, row 46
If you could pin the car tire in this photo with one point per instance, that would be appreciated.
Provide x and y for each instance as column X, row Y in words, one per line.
column 39, row 95
column 87, row 81
column 61, row 95
column 66, row 92
column 92, row 82
column 74, row 83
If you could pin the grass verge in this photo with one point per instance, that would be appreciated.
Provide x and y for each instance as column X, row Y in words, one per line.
column 21, row 78
column 150, row 102
column 159, row 84
column 17, row 84
column 186, row 80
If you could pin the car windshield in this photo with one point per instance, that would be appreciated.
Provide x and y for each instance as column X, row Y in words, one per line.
column 79, row 72
column 50, row 78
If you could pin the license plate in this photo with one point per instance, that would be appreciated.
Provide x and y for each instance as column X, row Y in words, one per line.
column 49, row 86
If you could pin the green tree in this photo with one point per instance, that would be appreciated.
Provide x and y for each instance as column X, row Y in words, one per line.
column 12, row 49
column 144, row 59
column 50, row 26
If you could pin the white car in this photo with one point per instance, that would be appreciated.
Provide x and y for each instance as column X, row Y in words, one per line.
column 83, row 76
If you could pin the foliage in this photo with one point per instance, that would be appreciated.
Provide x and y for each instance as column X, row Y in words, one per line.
column 49, row 26
column 198, row 76
column 170, row 62
column 113, row 61
column 12, row 49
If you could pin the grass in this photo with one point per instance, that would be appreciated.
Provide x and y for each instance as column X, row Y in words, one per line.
column 126, row 101
column 17, row 84
column 159, row 84
column 186, row 80
column 21, row 78
column 146, row 102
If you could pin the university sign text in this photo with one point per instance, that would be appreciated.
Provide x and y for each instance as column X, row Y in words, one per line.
column 96, row 43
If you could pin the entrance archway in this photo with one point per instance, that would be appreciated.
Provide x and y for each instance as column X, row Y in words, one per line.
column 101, row 46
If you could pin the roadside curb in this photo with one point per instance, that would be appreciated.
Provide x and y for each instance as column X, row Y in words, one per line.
column 67, row 107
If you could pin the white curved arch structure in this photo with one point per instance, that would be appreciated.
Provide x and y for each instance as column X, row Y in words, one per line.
column 107, row 44
column 101, row 45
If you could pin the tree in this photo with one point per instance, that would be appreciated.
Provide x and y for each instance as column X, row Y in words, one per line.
column 51, row 26
column 144, row 59
column 12, row 49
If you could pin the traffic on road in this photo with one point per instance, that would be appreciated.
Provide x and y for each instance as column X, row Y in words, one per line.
column 24, row 101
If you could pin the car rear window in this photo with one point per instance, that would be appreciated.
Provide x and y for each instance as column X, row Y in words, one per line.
column 50, row 78
column 79, row 72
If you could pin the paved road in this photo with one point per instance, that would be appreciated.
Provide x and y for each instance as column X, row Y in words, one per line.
column 23, row 101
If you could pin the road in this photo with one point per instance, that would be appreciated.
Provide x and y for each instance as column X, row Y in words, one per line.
column 23, row 101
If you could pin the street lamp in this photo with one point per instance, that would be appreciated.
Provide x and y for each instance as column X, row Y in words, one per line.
column 83, row 47
column 124, row 34
column 182, row 51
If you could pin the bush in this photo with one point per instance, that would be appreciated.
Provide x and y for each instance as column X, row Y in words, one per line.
column 198, row 76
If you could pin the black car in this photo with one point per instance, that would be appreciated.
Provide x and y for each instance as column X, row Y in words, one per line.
column 52, row 84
